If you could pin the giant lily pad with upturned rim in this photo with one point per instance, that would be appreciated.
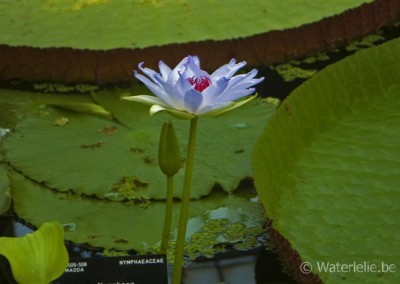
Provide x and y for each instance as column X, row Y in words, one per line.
column 113, row 36
column 327, row 169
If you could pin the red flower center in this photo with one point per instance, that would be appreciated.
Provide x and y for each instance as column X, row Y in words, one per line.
column 199, row 83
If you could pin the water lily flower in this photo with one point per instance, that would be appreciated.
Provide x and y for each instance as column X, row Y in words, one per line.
column 187, row 91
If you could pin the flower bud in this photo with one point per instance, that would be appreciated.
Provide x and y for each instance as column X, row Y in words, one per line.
column 169, row 158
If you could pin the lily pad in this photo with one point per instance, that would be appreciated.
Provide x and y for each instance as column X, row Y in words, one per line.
column 327, row 169
column 5, row 195
column 14, row 105
column 92, row 155
column 99, row 41
column 105, row 24
column 126, row 226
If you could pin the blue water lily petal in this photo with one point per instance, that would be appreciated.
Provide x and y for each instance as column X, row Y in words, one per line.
column 188, row 88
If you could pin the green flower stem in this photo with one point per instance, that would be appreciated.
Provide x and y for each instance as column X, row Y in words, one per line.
column 168, row 215
column 183, row 218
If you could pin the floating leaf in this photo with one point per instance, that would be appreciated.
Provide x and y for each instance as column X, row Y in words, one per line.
column 14, row 105
column 92, row 155
column 87, row 108
column 5, row 197
column 39, row 257
column 91, row 25
column 102, row 223
column 47, row 41
column 327, row 168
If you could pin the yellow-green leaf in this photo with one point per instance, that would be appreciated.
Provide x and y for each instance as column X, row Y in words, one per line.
column 39, row 257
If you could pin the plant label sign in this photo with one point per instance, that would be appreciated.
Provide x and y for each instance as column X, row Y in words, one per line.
column 116, row 270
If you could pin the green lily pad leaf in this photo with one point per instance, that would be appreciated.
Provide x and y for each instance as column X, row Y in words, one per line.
column 126, row 226
column 327, row 168
column 14, row 105
column 95, row 156
column 39, row 257
column 89, row 24
column 5, row 197
column 87, row 108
